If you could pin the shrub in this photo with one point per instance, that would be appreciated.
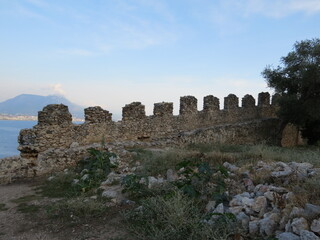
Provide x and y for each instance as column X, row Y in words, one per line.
column 174, row 217
column 134, row 186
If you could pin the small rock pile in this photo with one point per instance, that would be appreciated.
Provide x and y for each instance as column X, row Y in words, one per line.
column 267, row 210
column 263, row 210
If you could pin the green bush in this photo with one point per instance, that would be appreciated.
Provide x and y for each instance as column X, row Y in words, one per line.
column 88, row 175
column 133, row 186
column 175, row 217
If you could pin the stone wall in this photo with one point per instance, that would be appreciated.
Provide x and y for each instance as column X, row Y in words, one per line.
column 56, row 130
column 47, row 145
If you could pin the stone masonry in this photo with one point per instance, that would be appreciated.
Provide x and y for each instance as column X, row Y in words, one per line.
column 248, row 124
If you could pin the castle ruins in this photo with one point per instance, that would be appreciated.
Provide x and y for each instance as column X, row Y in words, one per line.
column 55, row 142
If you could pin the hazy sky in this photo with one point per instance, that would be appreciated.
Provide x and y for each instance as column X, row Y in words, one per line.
column 113, row 52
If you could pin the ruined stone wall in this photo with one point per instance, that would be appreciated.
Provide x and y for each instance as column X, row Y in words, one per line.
column 55, row 142
column 56, row 130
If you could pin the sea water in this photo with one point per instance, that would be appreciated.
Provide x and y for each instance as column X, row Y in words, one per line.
column 9, row 132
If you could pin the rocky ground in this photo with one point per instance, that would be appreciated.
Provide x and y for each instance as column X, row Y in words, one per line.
column 268, row 198
column 18, row 223
column 263, row 210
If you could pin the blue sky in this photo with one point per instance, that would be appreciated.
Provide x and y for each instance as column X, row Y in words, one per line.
column 113, row 52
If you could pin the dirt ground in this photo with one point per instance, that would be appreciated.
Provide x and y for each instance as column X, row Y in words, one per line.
column 15, row 225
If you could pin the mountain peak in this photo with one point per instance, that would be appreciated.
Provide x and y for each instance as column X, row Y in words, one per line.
column 30, row 104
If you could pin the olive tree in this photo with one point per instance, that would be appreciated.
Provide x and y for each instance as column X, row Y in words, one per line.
column 297, row 81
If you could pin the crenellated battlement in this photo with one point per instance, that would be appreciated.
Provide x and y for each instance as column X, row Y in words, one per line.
column 188, row 105
column 264, row 99
column 231, row 102
column 55, row 114
column 163, row 109
column 133, row 111
column 97, row 115
column 248, row 101
column 56, row 130
column 211, row 104
column 56, row 143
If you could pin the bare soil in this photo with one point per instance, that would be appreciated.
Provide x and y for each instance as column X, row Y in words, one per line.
column 35, row 223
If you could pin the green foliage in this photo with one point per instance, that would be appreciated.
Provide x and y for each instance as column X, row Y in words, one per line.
column 88, row 175
column 175, row 217
column 200, row 179
column 94, row 169
column 98, row 164
column 297, row 81
column 136, row 186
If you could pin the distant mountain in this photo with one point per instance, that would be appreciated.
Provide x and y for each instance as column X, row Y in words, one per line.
column 29, row 105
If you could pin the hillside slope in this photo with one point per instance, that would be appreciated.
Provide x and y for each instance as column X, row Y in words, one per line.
column 29, row 105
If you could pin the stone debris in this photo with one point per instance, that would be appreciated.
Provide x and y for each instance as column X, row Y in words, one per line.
column 307, row 235
column 315, row 226
column 267, row 210
column 288, row 236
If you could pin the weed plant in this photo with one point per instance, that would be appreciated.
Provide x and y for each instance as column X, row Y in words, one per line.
column 175, row 217
column 75, row 187
column 155, row 163
column 86, row 177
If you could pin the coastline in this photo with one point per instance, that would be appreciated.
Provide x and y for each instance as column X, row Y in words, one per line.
column 28, row 118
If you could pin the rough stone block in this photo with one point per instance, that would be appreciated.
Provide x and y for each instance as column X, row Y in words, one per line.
column 248, row 101
column 264, row 99
column 211, row 103
column 231, row 102
column 133, row 111
column 96, row 115
column 54, row 114
column 163, row 109
column 188, row 105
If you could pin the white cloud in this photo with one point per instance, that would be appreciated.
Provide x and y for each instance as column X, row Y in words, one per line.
column 57, row 89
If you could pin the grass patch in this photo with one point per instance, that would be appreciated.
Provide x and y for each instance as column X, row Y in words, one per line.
column 3, row 207
column 77, row 209
column 297, row 154
column 243, row 154
column 155, row 163
column 28, row 208
column 224, row 148
column 26, row 199
column 60, row 186
column 174, row 217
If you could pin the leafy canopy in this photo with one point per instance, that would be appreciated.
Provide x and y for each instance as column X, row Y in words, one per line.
column 297, row 81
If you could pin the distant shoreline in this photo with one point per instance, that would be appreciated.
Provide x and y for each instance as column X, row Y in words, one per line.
column 28, row 118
